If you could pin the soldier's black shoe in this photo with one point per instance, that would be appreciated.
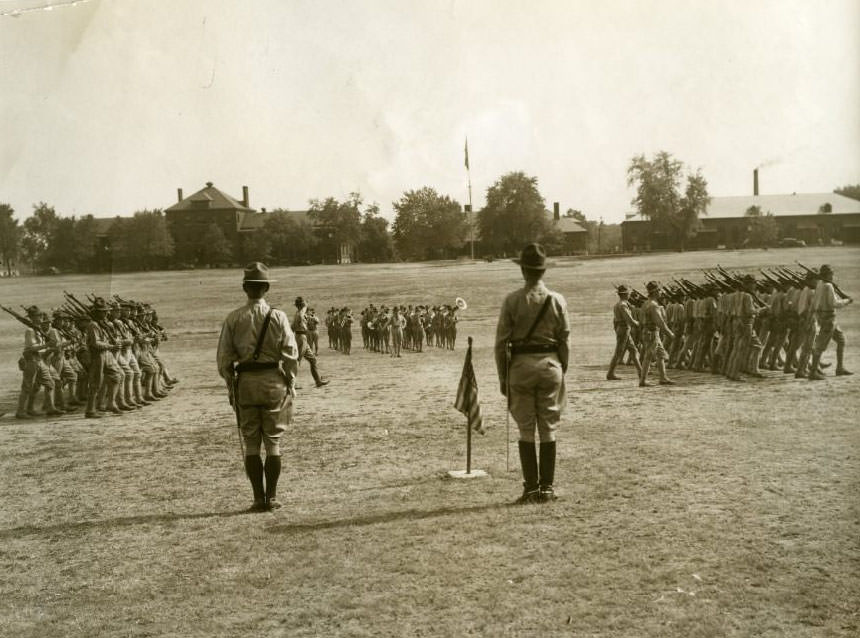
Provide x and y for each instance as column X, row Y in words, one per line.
column 22, row 415
column 93, row 415
column 612, row 377
column 257, row 506
column 273, row 504
column 530, row 495
column 322, row 382
column 547, row 494
column 666, row 382
column 842, row 372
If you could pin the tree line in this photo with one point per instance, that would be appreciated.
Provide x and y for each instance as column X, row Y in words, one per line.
column 427, row 225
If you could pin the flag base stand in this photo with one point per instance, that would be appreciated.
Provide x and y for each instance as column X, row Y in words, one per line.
column 463, row 474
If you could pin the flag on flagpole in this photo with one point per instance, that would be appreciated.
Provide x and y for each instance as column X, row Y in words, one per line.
column 467, row 153
column 467, row 396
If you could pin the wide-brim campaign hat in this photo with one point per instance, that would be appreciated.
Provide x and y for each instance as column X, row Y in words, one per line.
column 533, row 257
column 622, row 289
column 99, row 304
column 651, row 286
column 257, row 273
column 33, row 311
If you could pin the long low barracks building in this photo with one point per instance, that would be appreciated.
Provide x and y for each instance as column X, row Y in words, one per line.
column 726, row 225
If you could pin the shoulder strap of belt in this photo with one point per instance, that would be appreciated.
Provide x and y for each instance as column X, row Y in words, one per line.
column 262, row 333
column 540, row 315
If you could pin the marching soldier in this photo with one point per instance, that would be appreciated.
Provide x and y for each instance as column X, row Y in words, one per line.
column 62, row 371
column 258, row 359
column 531, row 353
column 653, row 323
column 36, row 371
column 300, row 328
column 622, row 323
column 102, row 371
column 825, row 302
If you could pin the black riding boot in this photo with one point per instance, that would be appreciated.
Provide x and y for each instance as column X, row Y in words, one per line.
column 528, row 461
column 273, row 471
column 547, row 471
column 254, row 470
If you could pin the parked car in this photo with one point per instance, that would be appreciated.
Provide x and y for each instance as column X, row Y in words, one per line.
column 791, row 242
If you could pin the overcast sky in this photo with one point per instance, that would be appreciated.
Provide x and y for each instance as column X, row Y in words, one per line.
column 108, row 106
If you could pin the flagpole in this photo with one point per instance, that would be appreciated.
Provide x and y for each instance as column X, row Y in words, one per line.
column 467, row 403
column 468, row 427
column 471, row 213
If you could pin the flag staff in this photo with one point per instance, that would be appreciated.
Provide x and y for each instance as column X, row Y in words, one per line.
column 467, row 403
column 471, row 218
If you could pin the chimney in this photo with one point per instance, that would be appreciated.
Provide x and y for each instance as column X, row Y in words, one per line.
column 179, row 194
column 755, row 182
column 245, row 196
column 555, row 213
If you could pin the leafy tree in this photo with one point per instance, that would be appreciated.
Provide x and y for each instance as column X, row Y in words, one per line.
column 658, row 195
column 428, row 225
column 38, row 230
column 514, row 215
column 762, row 229
column 60, row 252
column 85, row 243
column 825, row 208
column 376, row 244
column 338, row 222
column 291, row 239
column 255, row 246
column 10, row 235
column 141, row 242
column 213, row 248
column 851, row 190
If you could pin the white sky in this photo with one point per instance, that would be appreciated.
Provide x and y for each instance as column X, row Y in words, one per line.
column 107, row 106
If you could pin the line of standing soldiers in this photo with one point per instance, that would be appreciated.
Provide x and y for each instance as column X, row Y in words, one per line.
column 732, row 324
column 104, row 354
column 404, row 327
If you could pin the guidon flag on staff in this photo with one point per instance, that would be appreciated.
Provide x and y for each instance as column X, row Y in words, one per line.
column 467, row 395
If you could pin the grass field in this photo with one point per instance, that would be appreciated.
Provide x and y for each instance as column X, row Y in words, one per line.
column 703, row 509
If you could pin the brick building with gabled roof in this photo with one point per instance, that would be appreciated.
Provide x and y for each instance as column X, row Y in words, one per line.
column 190, row 217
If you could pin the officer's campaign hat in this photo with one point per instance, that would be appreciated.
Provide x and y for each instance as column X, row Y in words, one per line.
column 651, row 286
column 622, row 289
column 256, row 273
column 533, row 257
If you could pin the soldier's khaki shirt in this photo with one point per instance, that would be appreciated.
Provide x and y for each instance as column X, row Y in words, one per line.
column 519, row 311
column 239, row 339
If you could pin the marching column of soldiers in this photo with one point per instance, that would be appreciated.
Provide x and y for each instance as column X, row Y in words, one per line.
column 103, row 355
column 732, row 324
column 391, row 330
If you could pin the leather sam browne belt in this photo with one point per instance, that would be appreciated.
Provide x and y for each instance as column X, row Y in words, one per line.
column 252, row 366
column 533, row 348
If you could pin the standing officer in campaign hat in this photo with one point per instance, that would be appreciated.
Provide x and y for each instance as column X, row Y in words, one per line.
column 258, row 358
column 531, row 358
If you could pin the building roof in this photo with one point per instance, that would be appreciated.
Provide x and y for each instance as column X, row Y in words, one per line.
column 568, row 224
column 779, row 205
column 212, row 198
